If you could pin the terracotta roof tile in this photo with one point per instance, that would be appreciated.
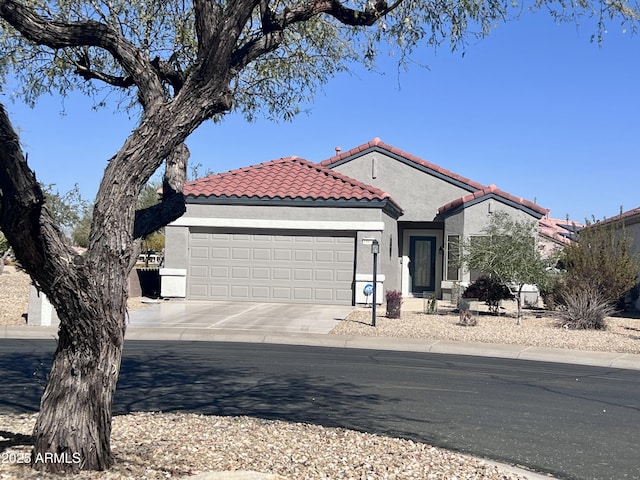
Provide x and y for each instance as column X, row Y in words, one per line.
column 285, row 178
column 492, row 190
column 562, row 231
column 376, row 142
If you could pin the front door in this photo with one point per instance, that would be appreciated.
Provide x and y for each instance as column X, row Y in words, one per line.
column 422, row 264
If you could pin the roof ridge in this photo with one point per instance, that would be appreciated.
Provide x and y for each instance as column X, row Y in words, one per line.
column 284, row 178
column 377, row 142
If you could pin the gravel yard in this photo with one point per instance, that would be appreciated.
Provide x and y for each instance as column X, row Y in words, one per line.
column 156, row 445
column 622, row 334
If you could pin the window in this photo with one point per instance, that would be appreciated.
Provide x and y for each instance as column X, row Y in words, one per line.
column 453, row 257
column 475, row 240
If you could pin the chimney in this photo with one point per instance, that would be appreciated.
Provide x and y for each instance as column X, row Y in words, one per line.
column 338, row 150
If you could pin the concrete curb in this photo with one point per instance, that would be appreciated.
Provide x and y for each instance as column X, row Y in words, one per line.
column 542, row 354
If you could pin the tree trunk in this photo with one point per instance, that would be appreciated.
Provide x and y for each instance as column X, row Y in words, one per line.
column 73, row 429
column 519, row 304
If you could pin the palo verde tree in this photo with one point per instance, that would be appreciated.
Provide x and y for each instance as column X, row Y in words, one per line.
column 178, row 64
column 506, row 251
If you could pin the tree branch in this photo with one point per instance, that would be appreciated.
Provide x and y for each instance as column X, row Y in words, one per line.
column 32, row 232
column 274, row 24
column 58, row 34
column 172, row 206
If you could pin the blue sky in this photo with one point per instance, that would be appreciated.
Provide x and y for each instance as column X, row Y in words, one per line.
column 535, row 108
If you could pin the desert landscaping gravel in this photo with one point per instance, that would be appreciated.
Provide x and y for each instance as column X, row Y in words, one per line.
column 156, row 445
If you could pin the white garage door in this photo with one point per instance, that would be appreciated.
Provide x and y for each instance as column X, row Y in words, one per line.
column 271, row 268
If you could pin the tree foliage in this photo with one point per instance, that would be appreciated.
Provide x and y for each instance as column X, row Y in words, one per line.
column 601, row 261
column 506, row 251
column 174, row 64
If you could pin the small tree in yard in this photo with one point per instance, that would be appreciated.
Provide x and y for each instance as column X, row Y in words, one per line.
column 176, row 64
column 506, row 251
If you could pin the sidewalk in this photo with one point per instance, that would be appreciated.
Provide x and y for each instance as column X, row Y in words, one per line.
column 599, row 359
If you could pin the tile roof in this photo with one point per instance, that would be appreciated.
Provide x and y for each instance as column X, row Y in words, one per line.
column 561, row 231
column 376, row 143
column 494, row 191
column 623, row 216
column 285, row 178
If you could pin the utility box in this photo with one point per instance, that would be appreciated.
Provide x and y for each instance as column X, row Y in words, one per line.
column 173, row 282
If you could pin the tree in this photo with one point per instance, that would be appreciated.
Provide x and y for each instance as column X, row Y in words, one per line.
column 80, row 234
column 66, row 208
column 601, row 261
column 507, row 251
column 177, row 64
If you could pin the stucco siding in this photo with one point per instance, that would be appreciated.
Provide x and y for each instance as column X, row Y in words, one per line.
column 419, row 193
column 274, row 212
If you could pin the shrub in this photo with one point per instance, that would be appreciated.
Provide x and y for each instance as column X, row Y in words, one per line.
column 394, row 303
column 552, row 292
column 584, row 309
column 489, row 290
column 601, row 259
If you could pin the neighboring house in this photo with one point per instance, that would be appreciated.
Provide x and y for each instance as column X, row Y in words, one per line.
column 631, row 222
column 555, row 234
column 294, row 231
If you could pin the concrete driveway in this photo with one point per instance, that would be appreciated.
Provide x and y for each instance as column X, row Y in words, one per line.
column 257, row 317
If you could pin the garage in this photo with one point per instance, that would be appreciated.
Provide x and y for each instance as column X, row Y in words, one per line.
column 271, row 267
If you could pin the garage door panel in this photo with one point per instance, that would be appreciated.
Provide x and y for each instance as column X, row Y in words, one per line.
column 261, row 254
column 325, row 256
column 281, row 273
column 282, row 255
column 323, row 275
column 343, row 276
column 219, row 292
column 220, row 272
column 240, row 292
column 278, row 268
column 262, row 273
column 303, row 256
column 261, row 293
column 281, row 293
column 220, row 253
column 302, row 274
column 344, row 257
column 240, row 272
column 200, row 252
column 200, row 271
column 323, row 295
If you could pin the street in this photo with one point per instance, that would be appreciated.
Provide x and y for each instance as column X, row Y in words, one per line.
column 571, row 421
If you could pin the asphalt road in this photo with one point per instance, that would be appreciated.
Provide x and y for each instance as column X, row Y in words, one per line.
column 571, row 421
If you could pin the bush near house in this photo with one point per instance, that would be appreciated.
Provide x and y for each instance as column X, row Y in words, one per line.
column 489, row 290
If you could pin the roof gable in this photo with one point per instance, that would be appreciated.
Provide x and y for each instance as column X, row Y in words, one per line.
column 289, row 178
column 377, row 145
column 492, row 192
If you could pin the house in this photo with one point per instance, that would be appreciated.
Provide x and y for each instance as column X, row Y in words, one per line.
column 631, row 222
column 554, row 233
column 291, row 230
